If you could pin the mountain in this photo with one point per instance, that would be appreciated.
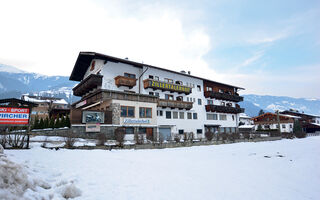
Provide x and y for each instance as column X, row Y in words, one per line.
column 253, row 103
column 15, row 82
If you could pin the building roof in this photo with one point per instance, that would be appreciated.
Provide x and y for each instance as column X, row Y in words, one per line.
column 40, row 99
column 16, row 102
column 299, row 113
column 84, row 59
column 243, row 115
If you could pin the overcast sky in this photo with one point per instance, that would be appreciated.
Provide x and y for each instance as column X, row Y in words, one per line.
column 267, row 47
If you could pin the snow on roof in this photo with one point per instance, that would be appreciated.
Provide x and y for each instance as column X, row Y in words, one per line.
column 243, row 115
column 315, row 124
column 291, row 116
column 246, row 126
column 35, row 100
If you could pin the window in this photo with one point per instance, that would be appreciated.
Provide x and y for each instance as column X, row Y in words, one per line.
column 223, row 117
column 212, row 116
column 227, row 129
column 179, row 83
column 150, row 77
column 151, row 93
column 168, row 96
column 232, row 117
column 129, row 130
column 199, row 131
column 283, row 126
column 195, row 116
column 168, row 80
column 181, row 131
column 156, row 78
column 127, row 111
column 290, row 125
column 223, row 103
column 179, row 98
column 199, row 88
column 194, row 100
column 189, row 115
column 187, row 98
column 220, row 91
column 168, row 114
column 181, row 115
column 209, row 89
column 142, row 130
column 34, row 112
column 156, row 94
column 145, row 112
column 159, row 112
column 233, row 129
column 210, row 102
column 222, row 130
column 175, row 115
column 199, row 102
column 129, row 75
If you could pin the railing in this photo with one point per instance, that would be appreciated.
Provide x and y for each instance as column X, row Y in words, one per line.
column 175, row 104
column 224, row 109
column 224, row 96
column 93, row 81
column 125, row 81
column 165, row 86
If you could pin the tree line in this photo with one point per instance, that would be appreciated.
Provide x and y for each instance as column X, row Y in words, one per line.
column 53, row 122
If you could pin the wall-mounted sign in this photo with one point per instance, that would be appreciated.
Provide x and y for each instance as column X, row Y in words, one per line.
column 167, row 86
column 92, row 127
column 92, row 117
column 14, row 115
column 136, row 121
column 82, row 103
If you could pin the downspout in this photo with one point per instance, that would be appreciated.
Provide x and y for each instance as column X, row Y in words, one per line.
column 140, row 79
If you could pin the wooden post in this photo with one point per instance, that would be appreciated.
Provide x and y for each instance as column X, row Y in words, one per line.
column 278, row 120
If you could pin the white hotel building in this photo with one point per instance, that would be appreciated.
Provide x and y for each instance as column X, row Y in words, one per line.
column 140, row 98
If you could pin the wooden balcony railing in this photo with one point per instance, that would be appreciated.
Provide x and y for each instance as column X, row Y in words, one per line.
column 93, row 81
column 125, row 81
column 175, row 104
column 165, row 86
column 224, row 109
column 224, row 96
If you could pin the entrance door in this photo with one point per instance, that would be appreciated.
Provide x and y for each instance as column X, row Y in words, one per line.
column 165, row 133
column 149, row 133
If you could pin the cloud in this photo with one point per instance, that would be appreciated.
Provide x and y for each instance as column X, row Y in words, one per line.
column 46, row 36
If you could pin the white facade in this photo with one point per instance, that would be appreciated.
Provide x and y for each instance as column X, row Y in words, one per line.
column 180, row 120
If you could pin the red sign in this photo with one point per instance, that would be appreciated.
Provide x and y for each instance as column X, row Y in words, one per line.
column 14, row 115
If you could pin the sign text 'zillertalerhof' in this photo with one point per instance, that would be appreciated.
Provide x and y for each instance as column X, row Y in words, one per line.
column 14, row 115
column 170, row 86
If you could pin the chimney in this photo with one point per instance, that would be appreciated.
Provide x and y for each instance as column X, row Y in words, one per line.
column 189, row 72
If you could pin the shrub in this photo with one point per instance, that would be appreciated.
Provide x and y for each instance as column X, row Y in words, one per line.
column 101, row 139
column 177, row 138
column 300, row 134
column 209, row 135
column 119, row 135
column 70, row 139
column 17, row 140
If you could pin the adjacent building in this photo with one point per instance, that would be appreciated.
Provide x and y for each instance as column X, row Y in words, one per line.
column 269, row 121
column 138, row 98
column 47, row 106
column 310, row 123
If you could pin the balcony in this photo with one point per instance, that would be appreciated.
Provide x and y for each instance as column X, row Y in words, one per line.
column 224, row 96
column 125, row 81
column 93, row 81
column 165, row 86
column 175, row 104
column 224, row 109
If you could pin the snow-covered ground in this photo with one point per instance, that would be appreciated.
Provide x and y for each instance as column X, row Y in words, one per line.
column 286, row 169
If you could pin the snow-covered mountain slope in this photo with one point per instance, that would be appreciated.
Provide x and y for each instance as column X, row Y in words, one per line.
column 14, row 82
column 253, row 103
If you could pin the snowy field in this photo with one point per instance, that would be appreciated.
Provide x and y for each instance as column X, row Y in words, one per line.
column 286, row 169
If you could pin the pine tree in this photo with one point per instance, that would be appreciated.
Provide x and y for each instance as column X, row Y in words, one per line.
column 259, row 127
column 57, row 122
column 63, row 121
column 297, row 127
column 36, row 123
column 41, row 124
column 68, row 121
column 261, row 112
column 51, row 122
column 46, row 123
